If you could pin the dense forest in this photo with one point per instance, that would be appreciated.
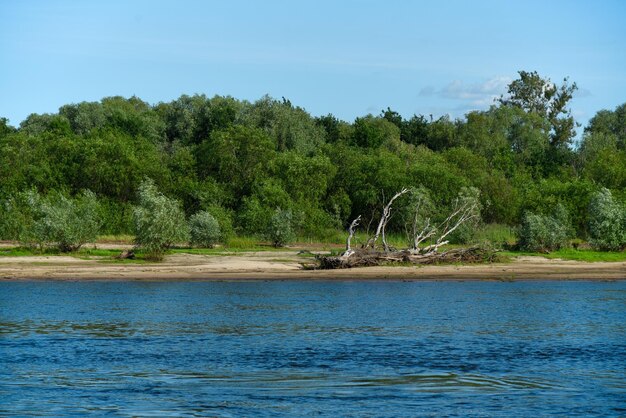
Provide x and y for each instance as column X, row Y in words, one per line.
column 240, row 161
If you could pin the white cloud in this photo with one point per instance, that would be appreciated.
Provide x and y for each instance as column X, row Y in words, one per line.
column 480, row 94
column 466, row 97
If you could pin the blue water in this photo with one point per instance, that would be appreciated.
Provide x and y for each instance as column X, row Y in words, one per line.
column 313, row 348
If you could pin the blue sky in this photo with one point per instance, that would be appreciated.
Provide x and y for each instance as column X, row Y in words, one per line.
column 348, row 58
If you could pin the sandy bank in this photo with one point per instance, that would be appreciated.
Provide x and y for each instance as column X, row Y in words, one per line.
column 287, row 265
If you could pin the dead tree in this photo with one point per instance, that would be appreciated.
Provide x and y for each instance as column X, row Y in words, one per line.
column 384, row 219
column 464, row 210
column 351, row 231
column 420, row 233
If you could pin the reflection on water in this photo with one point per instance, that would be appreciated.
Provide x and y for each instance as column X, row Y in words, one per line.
column 299, row 348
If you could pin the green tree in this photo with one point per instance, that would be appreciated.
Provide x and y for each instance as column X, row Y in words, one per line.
column 237, row 157
column 256, row 210
column 36, row 124
column 541, row 96
column 114, row 163
column 372, row 132
column 602, row 159
column 84, row 117
column 441, row 134
column 290, row 126
column 610, row 123
column 5, row 128
column 415, row 130
column 133, row 117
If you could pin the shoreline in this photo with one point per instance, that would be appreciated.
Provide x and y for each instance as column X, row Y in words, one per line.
column 283, row 266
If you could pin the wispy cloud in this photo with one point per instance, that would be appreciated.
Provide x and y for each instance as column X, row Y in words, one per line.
column 479, row 94
column 469, row 96
column 474, row 95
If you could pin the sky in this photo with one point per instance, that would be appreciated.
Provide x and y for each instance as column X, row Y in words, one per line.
column 348, row 58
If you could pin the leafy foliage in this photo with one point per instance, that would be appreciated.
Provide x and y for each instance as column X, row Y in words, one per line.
column 159, row 221
column 542, row 97
column 205, row 230
column 466, row 233
column 240, row 160
column 544, row 233
column 56, row 219
column 607, row 222
column 280, row 230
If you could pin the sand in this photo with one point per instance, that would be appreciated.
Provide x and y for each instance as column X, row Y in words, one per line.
column 286, row 265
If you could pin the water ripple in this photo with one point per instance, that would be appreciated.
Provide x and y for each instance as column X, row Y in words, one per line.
column 296, row 348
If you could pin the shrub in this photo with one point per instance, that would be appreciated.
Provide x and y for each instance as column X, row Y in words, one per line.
column 159, row 222
column 27, row 210
column 68, row 223
column 205, row 230
column 16, row 217
column 607, row 222
column 224, row 220
column 545, row 233
column 280, row 229
column 253, row 217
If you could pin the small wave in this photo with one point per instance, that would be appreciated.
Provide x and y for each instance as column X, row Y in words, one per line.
column 454, row 381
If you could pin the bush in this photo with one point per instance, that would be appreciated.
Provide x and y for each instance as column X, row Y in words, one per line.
column 280, row 229
column 116, row 217
column 545, row 233
column 16, row 216
column 205, row 230
column 607, row 222
column 224, row 220
column 159, row 222
column 253, row 217
column 68, row 223
column 71, row 223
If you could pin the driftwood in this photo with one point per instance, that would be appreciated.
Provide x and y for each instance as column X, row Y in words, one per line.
column 365, row 258
column 369, row 254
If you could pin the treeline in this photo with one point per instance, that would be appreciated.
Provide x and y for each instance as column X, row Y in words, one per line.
column 241, row 161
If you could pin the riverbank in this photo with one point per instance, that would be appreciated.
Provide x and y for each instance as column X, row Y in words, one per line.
column 288, row 265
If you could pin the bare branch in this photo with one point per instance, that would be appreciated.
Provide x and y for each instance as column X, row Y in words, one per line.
column 421, row 236
column 383, row 222
column 462, row 213
column 351, row 231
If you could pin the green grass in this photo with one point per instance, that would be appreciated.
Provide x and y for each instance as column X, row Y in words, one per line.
column 96, row 252
column 574, row 254
column 332, row 242
column 242, row 242
column 24, row 252
column 496, row 233
column 104, row 255
column 117, row 239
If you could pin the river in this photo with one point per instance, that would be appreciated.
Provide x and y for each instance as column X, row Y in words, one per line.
column 291, row 348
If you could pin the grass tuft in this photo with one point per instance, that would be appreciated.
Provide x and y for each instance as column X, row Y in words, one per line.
column 587, row 255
